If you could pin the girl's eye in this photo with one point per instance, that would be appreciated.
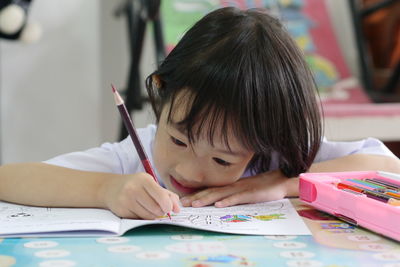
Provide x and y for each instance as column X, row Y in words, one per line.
column 222, row 162
column 177, row 142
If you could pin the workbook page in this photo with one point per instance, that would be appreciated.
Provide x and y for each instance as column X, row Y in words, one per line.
column 18, row 219
column 269, row 218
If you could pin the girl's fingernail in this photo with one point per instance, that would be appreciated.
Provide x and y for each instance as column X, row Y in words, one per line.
column 219, row 204
column 197, row 203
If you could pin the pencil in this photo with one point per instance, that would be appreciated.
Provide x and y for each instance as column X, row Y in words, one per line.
column 133, row 134
column 350, row 187
column 394, row 202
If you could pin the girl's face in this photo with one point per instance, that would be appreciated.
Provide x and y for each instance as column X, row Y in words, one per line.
column 186, row 168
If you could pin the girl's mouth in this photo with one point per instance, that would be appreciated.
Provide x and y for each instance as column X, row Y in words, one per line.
column 180, row 187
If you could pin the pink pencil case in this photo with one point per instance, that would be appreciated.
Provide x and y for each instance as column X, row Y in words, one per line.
column 322, row 191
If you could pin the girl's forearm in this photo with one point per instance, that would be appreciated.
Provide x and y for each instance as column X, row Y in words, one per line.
column 41, row 184
column 358, row 162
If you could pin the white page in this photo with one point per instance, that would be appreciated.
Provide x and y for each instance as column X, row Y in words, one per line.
column 18, row 219
column 269, row 218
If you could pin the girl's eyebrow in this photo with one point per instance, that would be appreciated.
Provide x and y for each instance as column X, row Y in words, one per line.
column 231, row 152
column 182, row 130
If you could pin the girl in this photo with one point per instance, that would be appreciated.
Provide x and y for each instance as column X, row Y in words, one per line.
column 237, row 122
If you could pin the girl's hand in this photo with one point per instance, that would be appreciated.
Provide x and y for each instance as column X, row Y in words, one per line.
column 268, row 186
column 139, row 196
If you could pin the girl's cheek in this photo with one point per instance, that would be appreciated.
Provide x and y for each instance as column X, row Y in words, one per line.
column 158, row 157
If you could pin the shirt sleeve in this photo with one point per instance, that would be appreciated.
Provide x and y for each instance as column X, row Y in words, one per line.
column 120, row 157
column 331, row 150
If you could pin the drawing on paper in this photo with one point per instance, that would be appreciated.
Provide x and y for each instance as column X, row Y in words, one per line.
column 246, row 218
column 204, row 220
column 235, row 218
column 228, row 218
column 270, row 217
column 12, row 212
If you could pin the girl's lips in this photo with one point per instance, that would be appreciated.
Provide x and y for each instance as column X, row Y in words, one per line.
column 181, row 188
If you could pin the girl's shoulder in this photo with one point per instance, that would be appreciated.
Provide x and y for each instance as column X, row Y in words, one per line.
column 117, row 157
column 335, row 149
column 146, row 136
column 148, row 131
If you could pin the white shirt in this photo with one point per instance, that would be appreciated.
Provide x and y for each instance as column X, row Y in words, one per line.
column 122, row 158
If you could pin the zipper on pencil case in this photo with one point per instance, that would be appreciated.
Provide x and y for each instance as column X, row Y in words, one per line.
column 346, row 219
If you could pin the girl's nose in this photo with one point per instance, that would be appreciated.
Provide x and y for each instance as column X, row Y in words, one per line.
column 190, row 171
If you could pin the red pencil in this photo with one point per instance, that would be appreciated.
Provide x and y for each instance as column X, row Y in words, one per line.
column 133, row 134
column 350, row 187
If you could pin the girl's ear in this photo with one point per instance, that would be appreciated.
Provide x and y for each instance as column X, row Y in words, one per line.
column 156, row 81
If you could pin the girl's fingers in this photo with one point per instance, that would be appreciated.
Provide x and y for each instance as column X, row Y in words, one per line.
column 209, row 196
column 147, row 208
column 188, row 200
column 134, row 210
column 250, row 196
column 235, row 199
column 259, row 188
column 175, row 202
column 140, row 196
column 160, row 200
column 165, row 201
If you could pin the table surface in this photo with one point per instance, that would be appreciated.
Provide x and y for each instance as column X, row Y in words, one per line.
column 334, row 243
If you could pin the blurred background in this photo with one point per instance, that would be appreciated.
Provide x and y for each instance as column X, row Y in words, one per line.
column 55, row 94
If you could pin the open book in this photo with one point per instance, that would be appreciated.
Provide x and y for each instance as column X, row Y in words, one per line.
column 269, row 218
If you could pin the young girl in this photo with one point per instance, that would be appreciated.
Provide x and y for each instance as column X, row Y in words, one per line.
column 237, row 122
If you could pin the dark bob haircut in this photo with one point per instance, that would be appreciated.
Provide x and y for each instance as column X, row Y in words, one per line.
column 242, row 71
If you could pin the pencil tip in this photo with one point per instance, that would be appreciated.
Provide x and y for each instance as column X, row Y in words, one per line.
column 117, row 97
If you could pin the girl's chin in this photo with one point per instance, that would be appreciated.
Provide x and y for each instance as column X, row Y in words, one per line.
column 180, row 189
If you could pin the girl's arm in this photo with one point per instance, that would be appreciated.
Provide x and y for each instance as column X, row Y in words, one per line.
column 40, row 184
column 274, row 185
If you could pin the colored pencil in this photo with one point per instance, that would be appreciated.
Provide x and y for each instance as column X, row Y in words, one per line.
column 366, row 184
column 394, row 195
column 126, row 118
column 350, row 187
column 394, row 202
column 390, row 186
column 358, row 184
column 387, row 187
column 371, row 193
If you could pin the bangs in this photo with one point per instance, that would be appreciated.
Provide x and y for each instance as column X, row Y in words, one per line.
column 208, row 113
